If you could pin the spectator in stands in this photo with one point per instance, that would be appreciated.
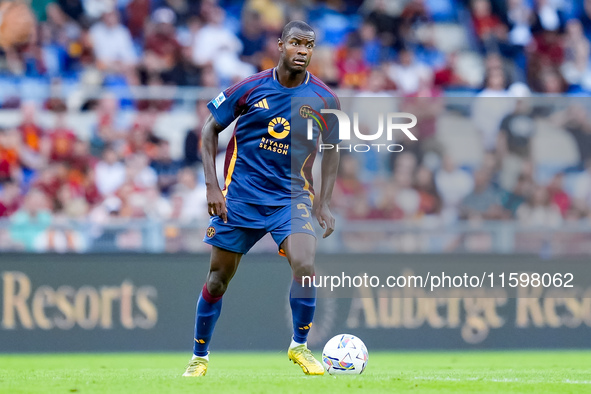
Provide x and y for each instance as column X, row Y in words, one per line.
column 131, row 201
column 576, row 69
column 547, row 17
column 414, row 12
column 31, row 132
column 81, row 161
column 10, row 196
column 270, row 54
column 161, row 48
column 72, row 8
column 375, row 85
column 141, row 138
column 448, row 76
column 407, row 73
column 90, row 190
column 360, row 207
column 514, row 138
column 490, row 107
column 155, row 205
column 551, row 82
column 407, row 198
column 518, row 127
column 71, row 204
column 29, row 225
column 546, row 55
column 137, row 12
column 216, row 45
column 102, row 214
column 177, row 47
column 184, row 72
column 484, row 203
column 386, row 207
column 453, row 185
column 486, row 24
column 511, row 200
column 427, row 105
column 61, row 139
column 252, row 35
column 56, row 34
column 190, row 194
column 427, row 51
column 429, row 200
column 113, row 45
column 348, row 184
column 576, row 121
column 272, row 13
column 83, row 57
column 351, row 64
column 582, row 191
column 494, row 61
column 383, row 14
column 539, row 211
column 406, row 162
column 139, row 173
column 111, row 127
column 374, row 53
column 585, row 17
column 95, row 8
column 330, row 22
column 49, row 180
column 519, row 19
column 10, row 168
column 558, row 196
column 166, row 168
column 110, row 173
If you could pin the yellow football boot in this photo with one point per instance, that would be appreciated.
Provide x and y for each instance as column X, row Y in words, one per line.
column 302, row 356
column 197, row 367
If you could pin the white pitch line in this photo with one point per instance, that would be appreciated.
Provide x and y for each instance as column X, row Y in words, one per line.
column 504, row 380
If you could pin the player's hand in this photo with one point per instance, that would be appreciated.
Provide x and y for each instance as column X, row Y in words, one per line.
column 216, row 203
column 325, row 219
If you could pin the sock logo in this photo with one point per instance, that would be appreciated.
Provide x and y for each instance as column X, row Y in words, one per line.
column 200, row 341
column 306, row 327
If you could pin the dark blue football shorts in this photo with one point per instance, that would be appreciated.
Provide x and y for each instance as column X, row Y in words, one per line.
column 248, row 223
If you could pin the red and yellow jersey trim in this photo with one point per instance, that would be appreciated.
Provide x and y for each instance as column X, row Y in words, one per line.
column 231, row 166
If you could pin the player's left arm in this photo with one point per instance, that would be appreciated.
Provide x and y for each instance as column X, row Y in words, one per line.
column 330, row 165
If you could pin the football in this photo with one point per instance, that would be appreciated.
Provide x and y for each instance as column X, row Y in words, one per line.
column 344, row 354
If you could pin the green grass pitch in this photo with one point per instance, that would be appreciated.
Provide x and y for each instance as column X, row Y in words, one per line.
column 143, row 373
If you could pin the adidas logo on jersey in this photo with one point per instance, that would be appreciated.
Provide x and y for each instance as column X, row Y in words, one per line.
column 308, row 226
column 262, row 104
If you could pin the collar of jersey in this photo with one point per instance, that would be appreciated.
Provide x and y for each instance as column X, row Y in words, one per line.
column 296, row 88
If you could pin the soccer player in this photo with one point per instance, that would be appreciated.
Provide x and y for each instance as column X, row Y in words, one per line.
column 268, row 186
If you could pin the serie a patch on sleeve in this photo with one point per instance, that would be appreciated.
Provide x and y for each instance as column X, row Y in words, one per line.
column 219, row 100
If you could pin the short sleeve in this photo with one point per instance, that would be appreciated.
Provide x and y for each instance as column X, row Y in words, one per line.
column 230, row 103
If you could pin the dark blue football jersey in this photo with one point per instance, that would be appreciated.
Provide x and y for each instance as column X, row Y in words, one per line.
column 269, row 158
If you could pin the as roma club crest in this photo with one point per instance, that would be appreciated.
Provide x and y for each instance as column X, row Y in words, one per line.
column 210, row 231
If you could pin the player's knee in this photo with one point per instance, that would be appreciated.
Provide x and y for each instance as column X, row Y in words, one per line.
column 216, row 285
column 303, row 268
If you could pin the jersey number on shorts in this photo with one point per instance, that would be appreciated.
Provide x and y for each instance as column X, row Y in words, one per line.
column 306, row 213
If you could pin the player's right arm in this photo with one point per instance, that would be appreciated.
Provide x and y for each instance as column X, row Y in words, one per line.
column 216, row 203
column 225, row 108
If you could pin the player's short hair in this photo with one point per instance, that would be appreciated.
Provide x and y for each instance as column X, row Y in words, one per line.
column 300, row 25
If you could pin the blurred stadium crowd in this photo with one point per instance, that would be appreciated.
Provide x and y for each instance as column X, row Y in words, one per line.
column 417, row 44
column 418, row 50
